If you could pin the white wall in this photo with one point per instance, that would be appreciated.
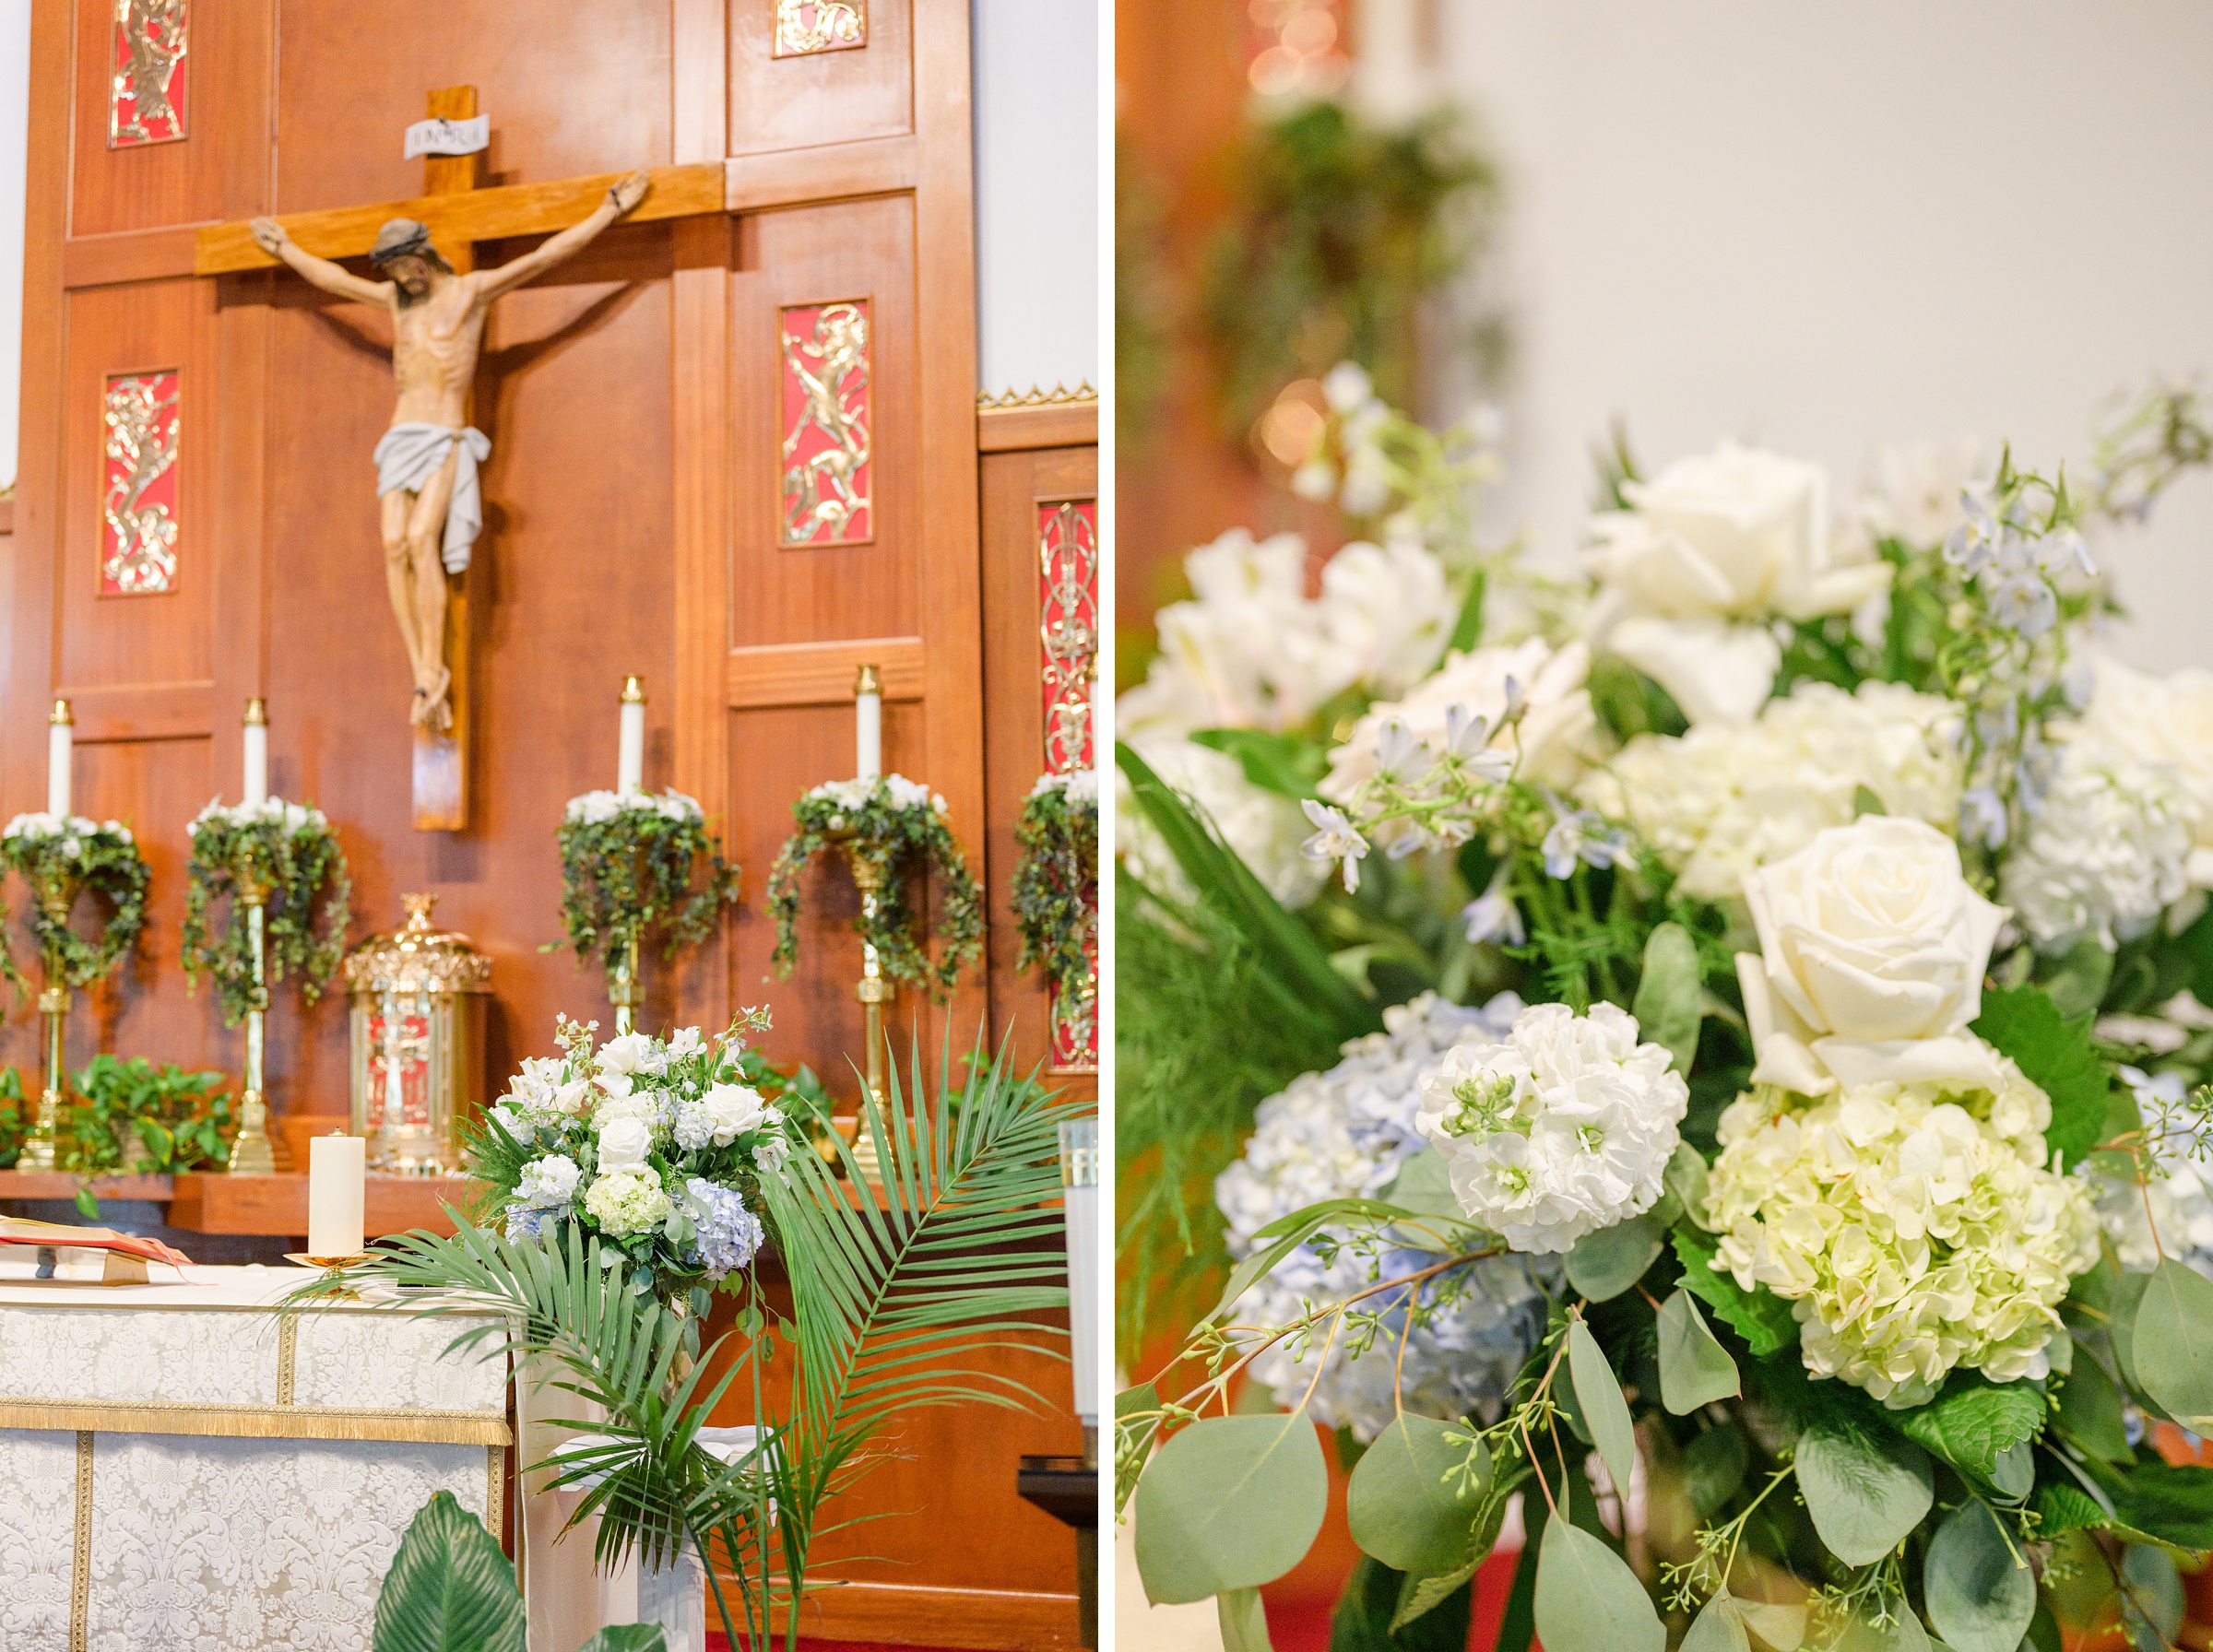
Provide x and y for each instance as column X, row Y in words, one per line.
column 1824, row 225
column 1037, row 192
column 15, row 113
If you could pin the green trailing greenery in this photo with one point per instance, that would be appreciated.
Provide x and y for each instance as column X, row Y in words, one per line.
column 1056, row 887
column 1338, row 231
column 290, row 851
column 630, row 863
column 78, row 856
column 14, row 1116
column 899, row 829
column 133, row 1117
column 894, row 1308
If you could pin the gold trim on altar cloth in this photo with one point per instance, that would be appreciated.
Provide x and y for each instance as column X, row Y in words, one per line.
column 256, row 1422
column 496, row 1491
column 80, row 1568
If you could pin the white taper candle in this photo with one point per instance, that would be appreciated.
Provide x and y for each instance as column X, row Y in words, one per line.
column 257, row 753
column 337, row 1186
column 58, row 730
column 630, row 748
column 867, row 724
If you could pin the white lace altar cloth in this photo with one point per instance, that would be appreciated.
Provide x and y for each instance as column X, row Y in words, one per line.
column 184, row 1469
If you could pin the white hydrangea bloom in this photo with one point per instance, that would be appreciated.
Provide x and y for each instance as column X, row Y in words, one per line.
column 2104, row 851
column 1913, row 1227
column 1264, row 828
column 1561, row 1128
column 2166, row 721
column 1347, row 1133
column 1727, row 800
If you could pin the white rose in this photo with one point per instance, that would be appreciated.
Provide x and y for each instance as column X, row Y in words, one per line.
column 1710, row 548
column 622, row 1144
column 625, row 1053
column 2164, row 720
column 735, row 1108
column 1872, row 954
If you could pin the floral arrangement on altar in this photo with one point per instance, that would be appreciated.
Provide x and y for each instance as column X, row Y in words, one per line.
column 894, row 827
column 1055, row 892
column 289, row 852
column 59, row 854
column 628, row 862
column 1717, row 1051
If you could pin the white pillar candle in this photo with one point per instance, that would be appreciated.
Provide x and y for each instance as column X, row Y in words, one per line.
column 337, row 1186
column 867, row 724
column 630, row 747
column 58, row 731
column 1080, row 1204
column 255, row 790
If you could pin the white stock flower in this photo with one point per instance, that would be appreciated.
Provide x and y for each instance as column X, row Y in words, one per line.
column 2165, row 720
column 1914, row 1226
column 1726, row 799
column 1871, row 952
column 1348, row 1133
column 1711, row 549
column 1564, row 1127
column 623, row 1144
column 2104, row 851
column 546, row 1182
column 1264, row 828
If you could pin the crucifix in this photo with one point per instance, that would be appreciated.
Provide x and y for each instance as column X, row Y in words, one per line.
column 428, row 496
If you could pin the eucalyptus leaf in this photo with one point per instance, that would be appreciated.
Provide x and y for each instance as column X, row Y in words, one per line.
column 1244, row 1621
column 1979, row 1592
column 2121, row 1324
column 1780, row 1627
column 1713, row 1467
column 1694, row 1369
column 1424, row 1186
column 1670, row 994
column 1230, row 1503
column 1406, row 1504
column 449, row 1586
column 2157, row 1588
column 1605, row 1263
column 1685, row 1177
column 2173, row 1344
column 1864, row 1492
column 1720, row 1627
column 1598, row 1398
column 1588, row 1599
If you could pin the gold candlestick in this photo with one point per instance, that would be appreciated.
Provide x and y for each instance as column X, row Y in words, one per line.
column 55, row 896
column 624, row 990
column 250, row 1153
column 874, row 992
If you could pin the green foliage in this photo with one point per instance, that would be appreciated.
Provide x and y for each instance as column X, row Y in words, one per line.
column 1670, row 993
column 896, row 840
column 1337, row 229
column 1713, row 1467
column 1979, row 1590
column 633, row 869
column 2056, row 1055
column 1588, row 1599
column 1056, row 889
column 2172, row 1502
column 14, row 1122
column 1411, row 1504
column 1607, row 1261
column 1762, row 1318
column 2091, row 1413
column 2171, row 1344
column 1362, row 1622
column 1720, row 1627
column 628, row 1637
column 1628, row 703
column 1973, row 1421
column 1694, row 1369
column 1865, row 1489
column 1230, row 1503
column 134, row 1116
column 296, row 861
column 1288, row 765
column 102, row 861
column 1598, row 1401
column 449, row 1589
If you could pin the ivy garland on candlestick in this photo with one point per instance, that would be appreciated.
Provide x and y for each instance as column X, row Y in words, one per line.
column 1056, row 879
column 627, row 860
column 289, row 847
column 102, row 857
column 893, row 823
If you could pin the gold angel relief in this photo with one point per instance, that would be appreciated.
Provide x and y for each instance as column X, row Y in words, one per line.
column 141, row 550
column 150, row 43
column 826, row 482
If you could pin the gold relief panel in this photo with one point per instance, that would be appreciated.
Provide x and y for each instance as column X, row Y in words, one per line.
column 809, row 26
column 138, row 498
column 146, row 81
column 828, row 421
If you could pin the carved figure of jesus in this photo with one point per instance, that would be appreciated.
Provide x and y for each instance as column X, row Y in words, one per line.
column 426, row 463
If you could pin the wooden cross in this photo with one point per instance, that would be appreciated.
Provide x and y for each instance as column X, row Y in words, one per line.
column 458, row 215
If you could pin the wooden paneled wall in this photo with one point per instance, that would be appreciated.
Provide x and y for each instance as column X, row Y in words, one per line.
column 630, row 525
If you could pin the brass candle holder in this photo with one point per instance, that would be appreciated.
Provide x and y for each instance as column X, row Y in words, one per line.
column 625, row 990
column 874, row 991
column 250, row 1153
column 54, row 896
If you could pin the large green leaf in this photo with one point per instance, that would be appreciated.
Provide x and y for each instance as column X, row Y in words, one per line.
column 449, row 1590
column 1718, row 1627
column 1288, row 764
column 1782, row 1626
column 1762, row 1318
column 1694, row 1369
column 2092, row 1413
column 1670, row 994
column 1605, row 1263
column 1230, row 1503
column 1865, row 1491
column 1599, row 1401
column 2172, row 1344
column 2171, row 1502
column 2056, row 1055
column 1362, row 1622
column 628, row 1637
column 1685, row 1177
column 1979, row 1591
column 1973, row 1423
column 1588, row 1599
column 1407, row 1504
column 1244, row 1622
column 2155, row 1599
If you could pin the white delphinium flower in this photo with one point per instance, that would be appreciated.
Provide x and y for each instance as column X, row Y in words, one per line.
column 1335, row 839
column 1262, row 827
column 2164, row 720
column 2104, row 851
column 1913, row 1227
column 1561, row 1128
column 1348, row 1133
column 1726, row 799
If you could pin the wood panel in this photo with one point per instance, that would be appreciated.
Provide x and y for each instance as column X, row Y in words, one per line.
column 823, row 97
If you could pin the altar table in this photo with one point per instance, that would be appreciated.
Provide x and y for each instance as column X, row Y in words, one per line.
column 181, row 1466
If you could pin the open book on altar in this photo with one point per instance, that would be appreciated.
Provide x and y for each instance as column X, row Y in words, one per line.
column 50, row 1252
